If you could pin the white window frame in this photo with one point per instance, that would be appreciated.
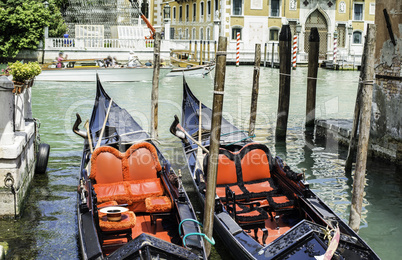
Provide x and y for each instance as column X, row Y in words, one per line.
column 241, row 11
column 342, row 7
column 202, row 11
column 270, row 9
column 273, row 29
column 234, row 37
column 194, row 12
column 354, row 5
column 202, row 34
column 174, row 13
column 361, row 37
column 194, row 33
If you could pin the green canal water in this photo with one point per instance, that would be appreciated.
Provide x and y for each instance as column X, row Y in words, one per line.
column 47, row 228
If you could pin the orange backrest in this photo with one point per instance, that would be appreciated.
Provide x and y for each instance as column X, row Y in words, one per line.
column 226, row 169
column 254, row 163
column 142, row 162
column 106, row 165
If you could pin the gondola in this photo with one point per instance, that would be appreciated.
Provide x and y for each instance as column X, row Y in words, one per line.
column 263, row 209
column 131, row 204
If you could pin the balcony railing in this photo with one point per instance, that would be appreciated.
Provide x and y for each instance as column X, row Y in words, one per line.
column 98, row 43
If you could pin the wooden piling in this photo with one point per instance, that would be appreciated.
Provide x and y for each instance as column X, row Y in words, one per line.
column 189, row 49
column 314, row 41
column 155, row 86
column 285, row 58
column 272, row 55
column 219, row 84
column 195, row 50
column 204, row 52
column 209, row 57
column 364, row 130
column 201, row 54
column 254, row 94
column 265, row 54
column 356, row 117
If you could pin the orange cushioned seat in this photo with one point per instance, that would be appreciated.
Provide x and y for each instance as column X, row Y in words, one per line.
column 158, row 204
column 127, row 221
column 255, row 170
column 107, row 172
column 141, row 175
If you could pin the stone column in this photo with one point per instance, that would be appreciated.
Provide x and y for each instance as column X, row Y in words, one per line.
column 7, row 110
column 19, row 117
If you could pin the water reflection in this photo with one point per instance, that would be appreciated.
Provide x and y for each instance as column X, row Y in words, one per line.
column 47, row 229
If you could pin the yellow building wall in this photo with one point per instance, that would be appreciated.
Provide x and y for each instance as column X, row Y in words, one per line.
column 275, row 22
column 367, row 15
column 256, row 12
column 237, row 21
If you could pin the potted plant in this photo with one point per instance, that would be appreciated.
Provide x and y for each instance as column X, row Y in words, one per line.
column 23, row 74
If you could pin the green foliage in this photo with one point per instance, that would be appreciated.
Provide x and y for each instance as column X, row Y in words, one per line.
column 22, row 24
column 23, row 71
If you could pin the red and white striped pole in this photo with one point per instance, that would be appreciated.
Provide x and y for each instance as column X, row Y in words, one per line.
column 294, row 51
column 238, row 50
column 335, row 47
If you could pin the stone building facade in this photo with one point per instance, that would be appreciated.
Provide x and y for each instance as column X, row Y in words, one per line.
column 259, row 21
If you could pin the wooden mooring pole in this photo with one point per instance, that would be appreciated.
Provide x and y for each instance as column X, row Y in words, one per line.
column 189, row 48
column 356, row 117
column 155, row 86
column 209, row 56
column 314, row 41
column 272, row 55
column 265, row 54
column 254, row 94
column 201, row 54
column 219, row 84
column 285, row 59
column 195, row 50
column 364, row 130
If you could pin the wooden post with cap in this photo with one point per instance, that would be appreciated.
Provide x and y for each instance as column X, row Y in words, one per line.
column 254, row 94
column 155, row 86
column 219, row 84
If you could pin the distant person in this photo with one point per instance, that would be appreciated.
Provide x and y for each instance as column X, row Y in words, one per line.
column 148, row 63
column 163, row 63
column 60, row 59
column 132, row 60
column 109, row 61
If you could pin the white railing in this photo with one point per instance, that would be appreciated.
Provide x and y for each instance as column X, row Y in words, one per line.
column 98, row 43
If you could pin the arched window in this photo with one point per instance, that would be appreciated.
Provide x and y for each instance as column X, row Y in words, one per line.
column 357, row 37
column 187, row 12
column 202, row 11
column 194, row 34
column 236, row 30
column 208, row 34
column 202, row 34
column 274, row 34
column 194, row 12
column 174, row 13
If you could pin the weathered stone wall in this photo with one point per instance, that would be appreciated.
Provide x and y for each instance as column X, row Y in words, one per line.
column 386, row 127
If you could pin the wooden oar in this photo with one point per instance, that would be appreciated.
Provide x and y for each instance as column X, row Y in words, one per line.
column 86, row 125
column 104, row 124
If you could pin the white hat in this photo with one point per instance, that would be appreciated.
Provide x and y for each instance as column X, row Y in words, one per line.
column 131, row 52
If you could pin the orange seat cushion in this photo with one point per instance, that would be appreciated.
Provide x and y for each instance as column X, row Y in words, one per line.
column 106, row 165
column 127, row 221
column 142, row 162
column 158, row 204
column 220, row 191
column 254, row 165
column 107, row 204
column 112, row 191
column 226, row 170
column 142, row 189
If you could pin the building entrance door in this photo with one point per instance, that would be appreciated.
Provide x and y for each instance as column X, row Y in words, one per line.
column 316, row 19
